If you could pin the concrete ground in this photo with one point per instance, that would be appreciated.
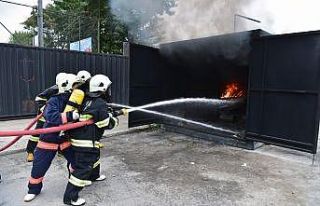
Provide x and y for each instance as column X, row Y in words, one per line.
column 156, row 167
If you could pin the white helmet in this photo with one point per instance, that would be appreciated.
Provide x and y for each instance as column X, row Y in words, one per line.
column 63, row 83
column 83, row 75
column 59, row 76
column 66, row 82
column 99, row 83
column 73, row 79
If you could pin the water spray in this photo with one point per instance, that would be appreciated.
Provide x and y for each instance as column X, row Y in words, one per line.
column 219, row 104
column 125, row 111
column 128, row 109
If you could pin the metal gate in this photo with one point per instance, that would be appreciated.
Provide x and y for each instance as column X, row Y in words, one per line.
column 145, row 81
column 283, row 101
column 25, row 71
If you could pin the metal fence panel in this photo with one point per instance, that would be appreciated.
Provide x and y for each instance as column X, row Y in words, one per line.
column 284, row 87
column 26, row 71
column 146, row 81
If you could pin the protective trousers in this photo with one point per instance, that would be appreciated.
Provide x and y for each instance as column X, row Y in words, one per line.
column 86, row 167
column 44, row 154
column 33, row 140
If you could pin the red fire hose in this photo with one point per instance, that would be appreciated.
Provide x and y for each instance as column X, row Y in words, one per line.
column 65, row 127
column 19, row 137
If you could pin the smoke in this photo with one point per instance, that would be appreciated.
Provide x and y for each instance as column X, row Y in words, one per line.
column 139, row 15
column 159, row 21
column 194, row 18
column 285, row 16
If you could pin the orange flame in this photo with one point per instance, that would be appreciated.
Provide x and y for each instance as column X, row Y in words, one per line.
column 232, row 90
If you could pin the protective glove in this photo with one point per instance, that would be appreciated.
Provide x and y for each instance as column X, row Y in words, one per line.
column 75, row 115
column 120, row 112
column 113, row 122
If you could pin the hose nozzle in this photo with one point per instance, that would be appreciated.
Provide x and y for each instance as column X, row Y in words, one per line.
column 124, row 112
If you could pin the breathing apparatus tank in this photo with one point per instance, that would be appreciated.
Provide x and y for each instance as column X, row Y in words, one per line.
column 75, row 100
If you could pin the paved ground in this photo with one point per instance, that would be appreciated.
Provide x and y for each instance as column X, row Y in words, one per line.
column 161, row 168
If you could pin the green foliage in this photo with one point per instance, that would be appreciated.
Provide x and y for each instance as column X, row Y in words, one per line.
column 22, row 38
column 67, row 21
column 141, row 17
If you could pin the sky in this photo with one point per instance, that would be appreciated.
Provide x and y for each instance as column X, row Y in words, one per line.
column 12, row 16
column 285, row 16
column 277, row 16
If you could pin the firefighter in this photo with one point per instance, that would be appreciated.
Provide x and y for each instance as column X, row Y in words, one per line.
column 85, row 140
column 41, row 100
column 50, row 144
column 84, row 76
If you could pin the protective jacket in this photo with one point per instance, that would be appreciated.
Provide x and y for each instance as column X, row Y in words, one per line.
column 41, row 99
column 53, row 113
column 88, row 137
column 50, row 144
column 44, row 96
column 86, row 146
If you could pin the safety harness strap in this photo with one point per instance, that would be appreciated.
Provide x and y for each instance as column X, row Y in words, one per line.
column 73, row 104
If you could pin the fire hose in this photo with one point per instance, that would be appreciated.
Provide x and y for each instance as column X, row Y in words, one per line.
column 19, row 137
column 27, row 130
column 64, row 127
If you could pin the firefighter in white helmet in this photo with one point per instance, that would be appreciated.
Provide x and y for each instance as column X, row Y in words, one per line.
column 85, row 141
column 41, row 99
column 84, row 75
column 50, row 144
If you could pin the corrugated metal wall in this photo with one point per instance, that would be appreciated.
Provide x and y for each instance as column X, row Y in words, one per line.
column 26, row 71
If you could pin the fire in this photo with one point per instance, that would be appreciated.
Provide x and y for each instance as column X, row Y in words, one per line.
column 232, row 90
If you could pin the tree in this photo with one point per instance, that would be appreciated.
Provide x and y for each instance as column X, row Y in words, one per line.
column 67, row 21
column 141, row 17
column 22, row 38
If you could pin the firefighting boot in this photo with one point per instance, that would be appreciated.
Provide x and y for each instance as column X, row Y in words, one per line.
column 30, row 157
column 101, row 178
column 80, row 201
column 29, row 197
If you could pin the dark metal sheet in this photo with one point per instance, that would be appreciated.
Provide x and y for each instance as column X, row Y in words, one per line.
column 146, row 83
column 26, row 71
column 283, row 106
